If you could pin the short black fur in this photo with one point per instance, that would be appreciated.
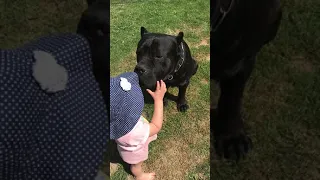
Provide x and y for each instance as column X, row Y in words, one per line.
column 166, row 57
column 248, row 26
column 94, row 25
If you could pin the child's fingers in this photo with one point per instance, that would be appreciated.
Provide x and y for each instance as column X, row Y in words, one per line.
column 150, row 92
column 163, row 85
column 158, row 85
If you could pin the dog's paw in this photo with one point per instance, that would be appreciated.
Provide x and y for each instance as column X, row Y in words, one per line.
column 182, row 107
column 233, row 146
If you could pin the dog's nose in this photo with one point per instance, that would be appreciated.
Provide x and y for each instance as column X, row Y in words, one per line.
column 140, row 70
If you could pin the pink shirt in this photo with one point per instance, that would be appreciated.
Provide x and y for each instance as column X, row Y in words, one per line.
column 133, row 147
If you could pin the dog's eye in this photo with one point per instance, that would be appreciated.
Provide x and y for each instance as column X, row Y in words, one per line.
column 158, row 57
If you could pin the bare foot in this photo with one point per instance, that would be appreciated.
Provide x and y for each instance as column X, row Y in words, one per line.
column 146, row 176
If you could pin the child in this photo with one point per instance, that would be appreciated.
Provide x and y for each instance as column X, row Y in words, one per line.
column 132, row 132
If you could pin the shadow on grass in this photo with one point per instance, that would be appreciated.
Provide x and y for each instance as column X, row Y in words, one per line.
column 116, row 158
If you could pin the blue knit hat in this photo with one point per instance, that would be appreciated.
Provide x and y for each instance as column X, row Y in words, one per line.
column 126, row 104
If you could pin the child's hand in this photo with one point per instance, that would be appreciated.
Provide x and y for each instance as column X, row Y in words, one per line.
column 161, row 89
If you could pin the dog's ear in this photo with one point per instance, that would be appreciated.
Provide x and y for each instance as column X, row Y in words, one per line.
column 179, row 37
column 143, row 31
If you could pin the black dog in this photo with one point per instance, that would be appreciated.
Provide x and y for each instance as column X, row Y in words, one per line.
column 239, row 29
column 94, row 25
column 166, row 57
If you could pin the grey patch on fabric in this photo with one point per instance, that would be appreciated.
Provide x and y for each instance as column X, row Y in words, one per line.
column 51, row 76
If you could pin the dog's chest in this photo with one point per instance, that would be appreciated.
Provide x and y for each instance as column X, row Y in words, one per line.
column 175, row 82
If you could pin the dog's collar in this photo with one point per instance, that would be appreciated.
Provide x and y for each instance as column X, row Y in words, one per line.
column 179, row 64
column 220, row 14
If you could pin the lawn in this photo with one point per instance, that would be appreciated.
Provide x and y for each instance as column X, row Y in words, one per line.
column 282, row 103
column 182, row 148
column 22, row 21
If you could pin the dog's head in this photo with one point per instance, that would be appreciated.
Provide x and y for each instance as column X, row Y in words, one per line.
column 157, row 56
column 94, row 25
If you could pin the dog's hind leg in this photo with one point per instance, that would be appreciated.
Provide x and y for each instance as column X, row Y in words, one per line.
column 196, row 66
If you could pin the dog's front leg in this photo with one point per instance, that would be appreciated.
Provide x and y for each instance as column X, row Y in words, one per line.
column 165, row 99
column 230, row 138
column 181, row 101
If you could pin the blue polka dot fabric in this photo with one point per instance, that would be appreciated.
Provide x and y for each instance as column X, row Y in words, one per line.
column 51, row 136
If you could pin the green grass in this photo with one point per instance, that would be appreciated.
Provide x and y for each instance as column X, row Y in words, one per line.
column 182, row 148
column 22, row 21
column 281, row 103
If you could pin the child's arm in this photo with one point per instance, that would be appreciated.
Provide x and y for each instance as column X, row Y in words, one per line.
column 157, row 118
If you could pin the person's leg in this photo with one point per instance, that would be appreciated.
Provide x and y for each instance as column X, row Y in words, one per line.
column 136, row 170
